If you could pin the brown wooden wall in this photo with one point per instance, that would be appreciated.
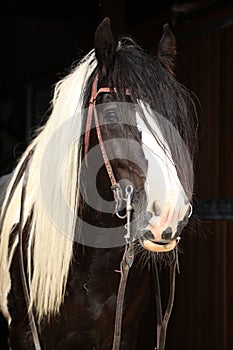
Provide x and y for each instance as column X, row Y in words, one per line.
column 203, row 313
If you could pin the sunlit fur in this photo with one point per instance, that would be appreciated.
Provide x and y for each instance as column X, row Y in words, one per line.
column 50, row 251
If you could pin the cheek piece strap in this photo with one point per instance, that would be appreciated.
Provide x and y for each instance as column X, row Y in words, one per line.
column 115, row 186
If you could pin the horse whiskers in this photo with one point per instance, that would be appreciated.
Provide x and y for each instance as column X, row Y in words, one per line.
column 148, row 258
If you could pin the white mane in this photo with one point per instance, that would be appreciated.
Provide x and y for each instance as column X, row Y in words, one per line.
column 49, row 249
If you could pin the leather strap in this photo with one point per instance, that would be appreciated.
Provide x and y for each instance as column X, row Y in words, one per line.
column 92, row 111
column 163, row 323
column 21, row 257
column 126, row 263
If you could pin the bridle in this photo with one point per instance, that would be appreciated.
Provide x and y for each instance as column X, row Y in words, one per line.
column 115, row 186
column 92, row 112
column 128, row 256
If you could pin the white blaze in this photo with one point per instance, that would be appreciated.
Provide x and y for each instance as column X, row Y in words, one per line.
column 163, row 186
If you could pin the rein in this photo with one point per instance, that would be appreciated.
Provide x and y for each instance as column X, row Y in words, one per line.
column 21, row 258
column 128, row 256
column 126, row 263
column 162, row 322
column 24, row 170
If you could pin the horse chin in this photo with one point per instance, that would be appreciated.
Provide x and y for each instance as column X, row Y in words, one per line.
column 157, row 247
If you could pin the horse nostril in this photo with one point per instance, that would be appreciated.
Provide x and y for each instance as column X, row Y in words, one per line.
column 167, row 234
column 149, row 235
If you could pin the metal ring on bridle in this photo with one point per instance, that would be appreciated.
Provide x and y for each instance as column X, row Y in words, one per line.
column 127, row 199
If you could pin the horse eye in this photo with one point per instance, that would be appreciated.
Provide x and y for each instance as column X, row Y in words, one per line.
column 110, row 116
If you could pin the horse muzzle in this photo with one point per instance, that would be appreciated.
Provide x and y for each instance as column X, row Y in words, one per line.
column 160, row 246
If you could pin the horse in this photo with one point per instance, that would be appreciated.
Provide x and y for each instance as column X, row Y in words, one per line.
column 97, row 200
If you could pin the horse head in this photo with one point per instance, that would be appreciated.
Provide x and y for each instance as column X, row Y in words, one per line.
column 139, row 143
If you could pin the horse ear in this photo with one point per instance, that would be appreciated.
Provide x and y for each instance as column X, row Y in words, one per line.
column 105, row 46
column 167, row 49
